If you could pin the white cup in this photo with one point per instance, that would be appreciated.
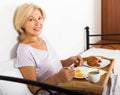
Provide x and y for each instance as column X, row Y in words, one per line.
column 94, row 76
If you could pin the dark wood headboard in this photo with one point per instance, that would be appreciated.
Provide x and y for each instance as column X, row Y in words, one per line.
column 88, row 36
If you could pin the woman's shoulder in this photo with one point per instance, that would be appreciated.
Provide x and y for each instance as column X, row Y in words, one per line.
column 23, row 47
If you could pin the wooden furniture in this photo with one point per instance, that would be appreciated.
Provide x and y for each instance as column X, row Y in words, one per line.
column 111, row 19
column 85, row 85
column 110, row 34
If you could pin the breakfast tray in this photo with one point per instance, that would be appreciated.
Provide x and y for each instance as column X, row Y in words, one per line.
column 87, row 86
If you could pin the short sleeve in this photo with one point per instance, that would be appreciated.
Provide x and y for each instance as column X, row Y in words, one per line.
column 24, row 57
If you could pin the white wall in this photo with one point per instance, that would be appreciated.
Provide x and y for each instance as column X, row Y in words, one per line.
column 64, row 24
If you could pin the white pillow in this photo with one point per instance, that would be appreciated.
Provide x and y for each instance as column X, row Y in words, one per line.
column 11, row 88
column 7, row 65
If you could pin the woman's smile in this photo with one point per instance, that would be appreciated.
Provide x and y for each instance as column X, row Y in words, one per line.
column 37, row 29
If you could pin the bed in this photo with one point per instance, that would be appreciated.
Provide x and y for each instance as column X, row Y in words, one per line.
column 12, row 82
column 109, row 49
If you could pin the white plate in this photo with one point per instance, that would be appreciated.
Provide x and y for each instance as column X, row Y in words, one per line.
column 86, row 70
column 103, row 63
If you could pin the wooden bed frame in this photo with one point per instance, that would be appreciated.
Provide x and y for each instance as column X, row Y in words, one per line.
column 102, row 43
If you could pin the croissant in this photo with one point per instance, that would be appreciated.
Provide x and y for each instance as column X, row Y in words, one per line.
column 93, row 61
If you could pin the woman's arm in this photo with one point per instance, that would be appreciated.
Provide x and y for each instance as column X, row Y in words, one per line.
column 29, row 72
column 64, row 75
column 76, row 60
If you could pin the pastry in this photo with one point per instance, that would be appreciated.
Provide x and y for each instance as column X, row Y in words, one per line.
column 93, row 61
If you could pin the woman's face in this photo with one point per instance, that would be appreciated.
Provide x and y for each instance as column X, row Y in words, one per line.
column 33, row 25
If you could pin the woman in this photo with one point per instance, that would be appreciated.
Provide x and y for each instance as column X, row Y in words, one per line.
column 35, row 57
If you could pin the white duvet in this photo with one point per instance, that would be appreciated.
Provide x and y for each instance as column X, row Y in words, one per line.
column 113, row 87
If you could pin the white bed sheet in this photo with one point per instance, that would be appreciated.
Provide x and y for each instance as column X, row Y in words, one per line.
column 113, row 86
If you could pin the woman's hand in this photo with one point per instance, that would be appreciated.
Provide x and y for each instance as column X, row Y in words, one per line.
column 76, row 60
column 66, row 74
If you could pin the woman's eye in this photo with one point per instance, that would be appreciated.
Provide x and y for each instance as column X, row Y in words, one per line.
column 39, row 18
column 30, row 19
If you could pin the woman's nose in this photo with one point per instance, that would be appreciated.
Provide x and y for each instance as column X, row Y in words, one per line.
column 37, row 21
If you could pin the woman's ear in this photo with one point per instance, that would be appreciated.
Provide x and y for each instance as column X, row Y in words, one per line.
column 22, row 28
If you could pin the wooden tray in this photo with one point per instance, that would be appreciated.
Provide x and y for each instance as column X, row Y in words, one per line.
column 85, row 85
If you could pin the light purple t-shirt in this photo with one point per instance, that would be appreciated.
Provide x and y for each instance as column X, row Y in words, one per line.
column 47, row 62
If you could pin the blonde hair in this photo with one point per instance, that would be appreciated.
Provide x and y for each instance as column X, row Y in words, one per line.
column 21, row 15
